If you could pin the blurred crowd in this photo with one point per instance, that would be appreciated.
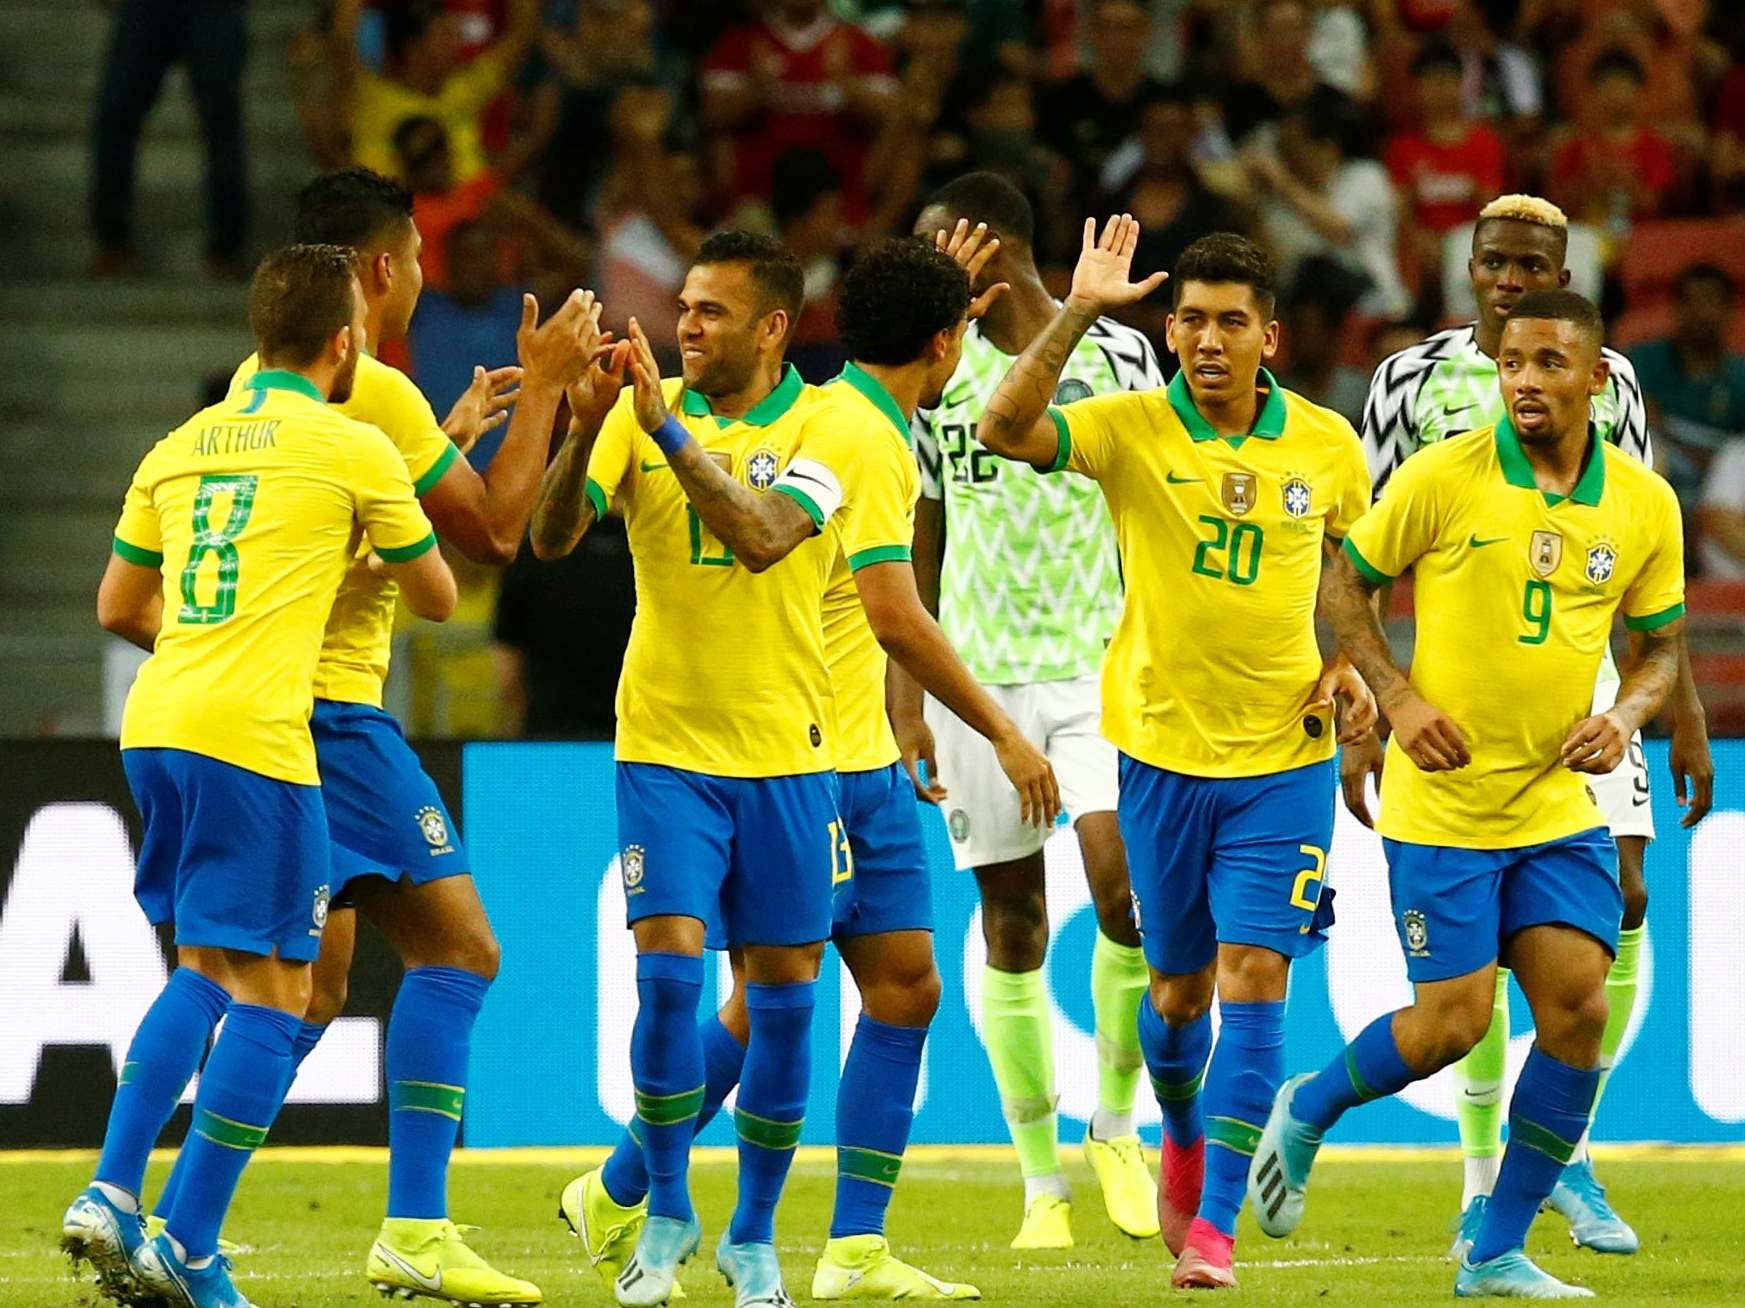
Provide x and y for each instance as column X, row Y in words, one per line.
column 552, row 143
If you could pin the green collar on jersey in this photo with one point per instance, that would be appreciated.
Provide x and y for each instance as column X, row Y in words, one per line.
column 876, row 394
column 1518, row 472
column 283, row 379
column 1269, row 422
column 763, row 413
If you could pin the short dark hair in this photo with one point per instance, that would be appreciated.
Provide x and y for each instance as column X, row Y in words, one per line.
column 799, row 179
column 410, row 126
column 301, row 295
column 897, row 297
column 987, row 197
column 1712, row 273
column 1560, row 305
column 1438, row 54
column 1227, row 257
column 1609, row 62
column 353, row 206
column 777, row 273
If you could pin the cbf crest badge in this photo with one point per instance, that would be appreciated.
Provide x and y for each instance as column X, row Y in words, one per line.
column 1417, row 933
column 1602, row 562
column 633, row 865
column 761, row 469
column 434, row 829
column 1238, row 491
column 1545, row 552
column 1297, row 497
column 318, row 914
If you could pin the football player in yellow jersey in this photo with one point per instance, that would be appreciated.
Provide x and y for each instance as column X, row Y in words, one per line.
column 233, row 539
column 728, row 806
column 1527, row 537
column 397, row 854
column 1227, row 492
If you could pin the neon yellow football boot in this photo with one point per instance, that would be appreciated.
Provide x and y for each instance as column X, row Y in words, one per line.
column 1129, row 1193
column 863, row 1267
column 607, row 1230
column 414, row 1257
column 1047, row 1224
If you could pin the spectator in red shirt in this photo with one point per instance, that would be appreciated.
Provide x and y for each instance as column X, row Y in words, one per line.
column 798, row 79
column 1448, row 166
column 1615, row 170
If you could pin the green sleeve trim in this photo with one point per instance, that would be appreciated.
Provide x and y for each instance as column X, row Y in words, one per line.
column 406, row 553
column 804, row 500
column 1064, row 451
column 133, row 554
column 1654, row 621
column 424, row 484
column 878, row 554
column 596, row 494
column 1375, row 576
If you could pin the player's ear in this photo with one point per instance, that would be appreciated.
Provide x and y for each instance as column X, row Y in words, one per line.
column 1563, row 279
column 1602, row 375
column 1269, row 339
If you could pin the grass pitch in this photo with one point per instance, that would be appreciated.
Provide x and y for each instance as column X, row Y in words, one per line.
column 1376, row 1231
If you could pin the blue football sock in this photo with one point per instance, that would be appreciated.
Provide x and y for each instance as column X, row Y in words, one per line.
column 241, row 1091
column 429, row 1042
column 1176, row 1058
column 875, row 1107
column 165, row 1051
column 308, row 1037
column 772, row 1102
column 666, row 1065
column 1547, row 1117
column 1247, row 1065
column 1370, row 1067
column 625, row 1174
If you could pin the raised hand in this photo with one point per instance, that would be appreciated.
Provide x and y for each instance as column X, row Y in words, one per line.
column 1103, row 277
column 482, row 406
column 557, row 351
column 592, row 396
column 651, row 410
column 972, row 248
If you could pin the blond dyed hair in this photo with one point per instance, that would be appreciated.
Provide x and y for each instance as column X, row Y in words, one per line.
column 1525, row 209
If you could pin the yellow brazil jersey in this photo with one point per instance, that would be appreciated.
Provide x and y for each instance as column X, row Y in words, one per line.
column 877, row 525
column 1214, row 657
column 360, row 632
column 1515, row 594
column 251, row 508
column 725, row 670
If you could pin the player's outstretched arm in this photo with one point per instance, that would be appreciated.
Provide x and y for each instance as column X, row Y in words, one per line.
column 1428, row 736
column 485, row 516
column 904, row 696
column 427, row 585
column 1597, row 744
column 761, row 530
column 1016, row 425
column 130, row 601
column 562, row 512
column 908, row 633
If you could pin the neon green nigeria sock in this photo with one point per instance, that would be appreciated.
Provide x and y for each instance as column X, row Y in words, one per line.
column 1478, row 1080
column 1119, row 981
column 1621, row 983
column 1019, row 1031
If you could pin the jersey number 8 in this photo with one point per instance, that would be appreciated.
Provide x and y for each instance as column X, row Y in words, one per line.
column 221, row 543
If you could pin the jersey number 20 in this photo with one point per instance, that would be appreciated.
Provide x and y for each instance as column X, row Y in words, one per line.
column 220, row 543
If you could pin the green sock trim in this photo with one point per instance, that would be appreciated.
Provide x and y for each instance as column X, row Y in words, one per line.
column 764, row 1133
column 669, row 1110
column 1534, row 1136
column 635, row 1135
column 222, row 1131
column 128, row 1072
column 1233, row 1133
column 1168, row 1093
column 872, row 1165
column 427, row 1097
column 1364, row 1093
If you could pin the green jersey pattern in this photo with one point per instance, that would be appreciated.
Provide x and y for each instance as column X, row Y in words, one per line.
column 1030, row 589
column 1446, row 385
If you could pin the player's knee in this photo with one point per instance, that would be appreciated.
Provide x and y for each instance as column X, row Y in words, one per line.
column 327, row 998
column 1179, row 1000
column 477, row 952
column 1016, row 935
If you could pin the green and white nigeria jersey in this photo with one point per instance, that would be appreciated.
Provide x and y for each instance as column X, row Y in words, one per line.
column 1446, row 385
column 1030, row 589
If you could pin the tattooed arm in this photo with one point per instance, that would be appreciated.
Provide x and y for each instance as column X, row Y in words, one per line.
column 1016, row 425
column 562, row 512
column 1598, row 743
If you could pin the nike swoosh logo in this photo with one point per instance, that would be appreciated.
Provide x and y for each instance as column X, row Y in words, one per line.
column 1174, row 480
column 416, row 1276
column 1449, row 413
column 654, row 467
column 1477, row 544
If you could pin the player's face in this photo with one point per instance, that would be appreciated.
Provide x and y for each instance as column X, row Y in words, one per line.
column 1549, row 371
column 405, row 282
column 1508, row 260
column 723, row 330
column 347, row 375
column 1221, row 337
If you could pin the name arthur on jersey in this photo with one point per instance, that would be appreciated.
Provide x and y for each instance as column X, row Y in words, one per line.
column 237, row 437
